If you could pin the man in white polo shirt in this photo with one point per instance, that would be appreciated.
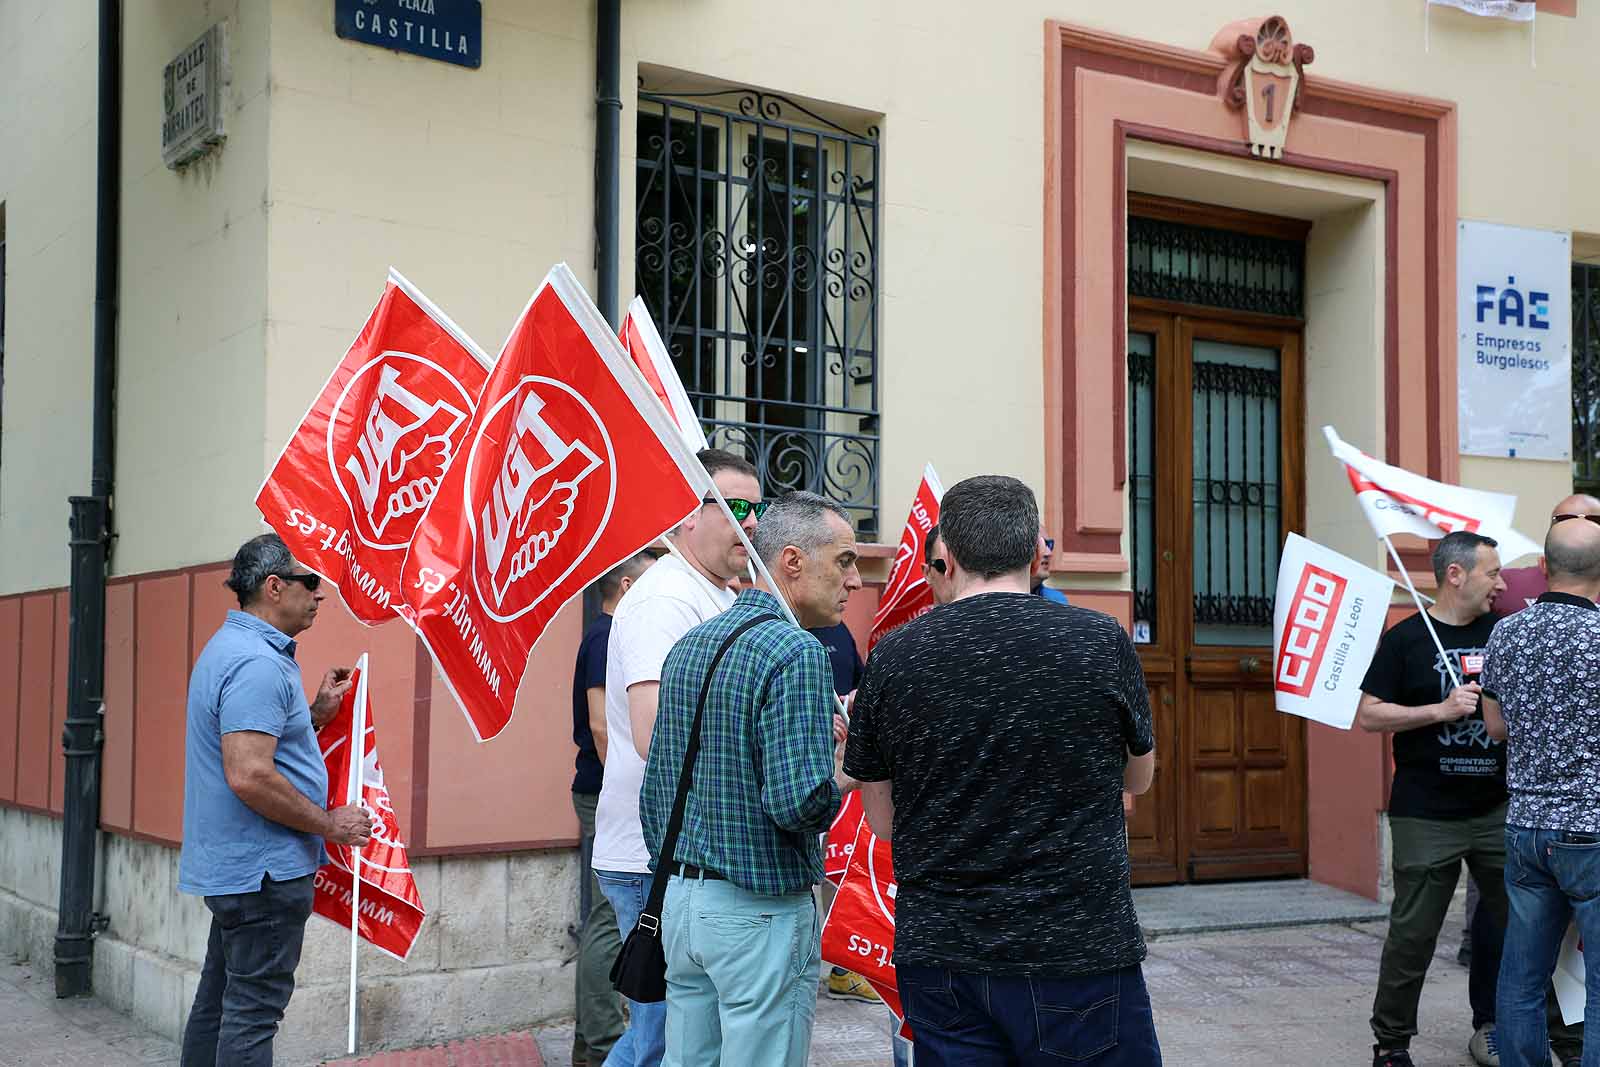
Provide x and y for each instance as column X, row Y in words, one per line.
column 677, row 594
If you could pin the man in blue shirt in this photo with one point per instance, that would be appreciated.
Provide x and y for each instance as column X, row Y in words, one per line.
column 597, row 1009
column 253, row 816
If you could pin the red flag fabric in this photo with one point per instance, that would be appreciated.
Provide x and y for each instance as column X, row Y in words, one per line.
column 859, row 932
column 842, row 837
column 357, row 475
column 649, row 354
column 391, row 909
column 569, row 467
column 906, row 594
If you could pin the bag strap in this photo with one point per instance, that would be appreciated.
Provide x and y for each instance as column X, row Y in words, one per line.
column 669, row 844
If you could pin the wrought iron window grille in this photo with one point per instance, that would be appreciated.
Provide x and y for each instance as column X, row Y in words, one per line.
column 1586, row 378
column 1215, row 268
column 756, row 245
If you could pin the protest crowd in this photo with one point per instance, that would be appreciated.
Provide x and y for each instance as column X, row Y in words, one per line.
column 763, row 801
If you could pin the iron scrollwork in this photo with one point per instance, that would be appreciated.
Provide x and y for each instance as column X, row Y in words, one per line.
column 1586, row 378
column 756, row 252
column 1215, row 268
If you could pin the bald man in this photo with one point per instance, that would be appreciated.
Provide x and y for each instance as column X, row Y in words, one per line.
column 1541, row 692
column 1524, row 584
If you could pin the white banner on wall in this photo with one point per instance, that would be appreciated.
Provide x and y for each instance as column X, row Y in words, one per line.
column 1514, row 315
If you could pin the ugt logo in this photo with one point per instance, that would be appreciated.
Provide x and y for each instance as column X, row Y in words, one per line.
column 1304, row 640
column 540, row 485
column 1512, row 307
column 392, row 434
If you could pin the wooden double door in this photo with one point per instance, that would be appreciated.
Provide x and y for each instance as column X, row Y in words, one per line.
column 1215, row 449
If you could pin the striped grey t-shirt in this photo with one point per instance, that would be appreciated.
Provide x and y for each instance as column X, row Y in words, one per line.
column 1003, row 722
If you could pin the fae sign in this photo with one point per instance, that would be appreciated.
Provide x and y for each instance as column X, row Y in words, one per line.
column 446, row 30
column 1514, row 315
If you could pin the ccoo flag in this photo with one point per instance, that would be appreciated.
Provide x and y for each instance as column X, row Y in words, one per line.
column 1329, row 614
column 569, row 467
column 1397, row 501
column 391, row 909
column 906, row 594
column 356, row 477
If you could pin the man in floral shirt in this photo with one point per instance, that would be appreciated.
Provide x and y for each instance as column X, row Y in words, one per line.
column 1541, row 691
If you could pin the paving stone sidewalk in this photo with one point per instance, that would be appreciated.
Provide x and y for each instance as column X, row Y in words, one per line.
column 1285, row 995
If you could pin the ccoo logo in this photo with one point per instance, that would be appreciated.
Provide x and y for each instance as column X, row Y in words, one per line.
column 540, row 485
column 1304, row 640
column 393, row 431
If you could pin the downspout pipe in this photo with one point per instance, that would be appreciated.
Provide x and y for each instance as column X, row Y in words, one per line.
column 607, row 153
column 607, row 196
column 90, row 543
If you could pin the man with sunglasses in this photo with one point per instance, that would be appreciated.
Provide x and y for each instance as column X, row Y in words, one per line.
column 1524, row 585
column 683, row 589
column 936, row 567
column 253, row 817
column 1041, row 571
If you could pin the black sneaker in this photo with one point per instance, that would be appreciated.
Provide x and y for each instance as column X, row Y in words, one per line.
column 1398, row 1058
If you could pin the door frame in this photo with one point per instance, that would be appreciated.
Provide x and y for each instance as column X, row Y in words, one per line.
column 1170, row 854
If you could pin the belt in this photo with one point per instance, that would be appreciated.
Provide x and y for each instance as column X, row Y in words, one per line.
column 689, row 870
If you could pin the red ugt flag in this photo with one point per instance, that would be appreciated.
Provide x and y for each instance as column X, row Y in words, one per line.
column 906, row 594
column 391, row 910
column 859, row 932
column 569, row 467
column 361, row 469
column 643, row 342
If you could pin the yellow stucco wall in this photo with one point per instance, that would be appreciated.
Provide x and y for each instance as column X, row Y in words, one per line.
column 193, row 291
column 245, row 278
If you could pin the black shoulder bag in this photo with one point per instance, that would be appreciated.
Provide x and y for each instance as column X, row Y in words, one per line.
column 640, row 973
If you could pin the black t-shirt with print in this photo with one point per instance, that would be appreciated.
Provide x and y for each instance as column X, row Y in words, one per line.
column 1004, row 721
column 1450, row 770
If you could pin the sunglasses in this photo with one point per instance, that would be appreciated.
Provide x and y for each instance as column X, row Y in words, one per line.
column 1049, row 544
column 1563, row 518
column 938, row 565
column 740, row 507
column 310, row 581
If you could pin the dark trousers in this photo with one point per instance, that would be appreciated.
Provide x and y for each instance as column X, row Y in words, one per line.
column 248, row 975
column 1427, row 863
column 598, row 1015
column 974, row 1020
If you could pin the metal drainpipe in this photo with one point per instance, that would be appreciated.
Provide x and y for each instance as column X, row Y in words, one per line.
column 90, row 547
column 607, row 162
column 607, row 152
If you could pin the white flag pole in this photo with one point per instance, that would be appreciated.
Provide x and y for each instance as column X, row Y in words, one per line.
column 1427, row 620
column 358, row 759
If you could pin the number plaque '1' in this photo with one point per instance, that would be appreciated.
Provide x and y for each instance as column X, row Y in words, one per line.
column 1263, row 79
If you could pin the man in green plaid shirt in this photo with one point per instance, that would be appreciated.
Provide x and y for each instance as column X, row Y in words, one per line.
column 740, row 924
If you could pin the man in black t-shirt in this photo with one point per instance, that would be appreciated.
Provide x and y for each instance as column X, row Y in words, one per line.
column 993, row 739
column 598, row 1008
column 1448, row 799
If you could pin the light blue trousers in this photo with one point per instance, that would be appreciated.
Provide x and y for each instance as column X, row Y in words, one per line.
column 742, row 971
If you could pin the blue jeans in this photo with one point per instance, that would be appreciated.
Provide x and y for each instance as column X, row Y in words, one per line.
column 960, row 1019
column 644, row 1042
column 248, row 975
column 1552, row 878
column 742, row 971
